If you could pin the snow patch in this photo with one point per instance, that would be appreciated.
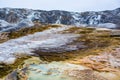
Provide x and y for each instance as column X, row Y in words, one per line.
column 3, row 23
column 76, row 16
column 31, row 15
column 26, row 22
column 58, row 21
column 25, row 45
column 107, row 25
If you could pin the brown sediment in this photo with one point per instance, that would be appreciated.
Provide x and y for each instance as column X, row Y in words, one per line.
column 86, row 74
column 105, row 61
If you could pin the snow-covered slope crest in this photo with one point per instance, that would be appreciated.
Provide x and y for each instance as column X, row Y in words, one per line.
column 107, row 25
column 3, row 23
column 10, row 50
column 16, row 16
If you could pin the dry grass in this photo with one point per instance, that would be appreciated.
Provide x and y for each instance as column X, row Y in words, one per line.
column 30, row 30
column 27, row 31
column 79, row 30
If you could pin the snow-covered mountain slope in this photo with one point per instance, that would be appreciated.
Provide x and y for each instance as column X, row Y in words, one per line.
column 12, row 17
column 46, row 40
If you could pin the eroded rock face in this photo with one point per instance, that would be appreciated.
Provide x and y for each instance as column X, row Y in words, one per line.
column 62, row 17
column 12, row 17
